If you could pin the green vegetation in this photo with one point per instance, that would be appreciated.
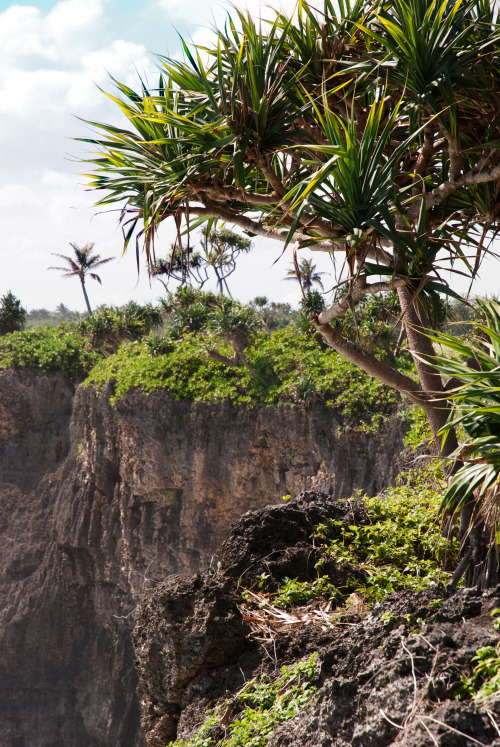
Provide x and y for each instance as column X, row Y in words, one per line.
column 289, row 365
column 295, row 592
column 195, row 356
column 107, row 327
column 59, row 349
column 402, row 547
column 484, row 683
column 475, row 393
column 418, row 432
column 257, row 709
column 74, row 348
column 12, row 314
column 361, row 129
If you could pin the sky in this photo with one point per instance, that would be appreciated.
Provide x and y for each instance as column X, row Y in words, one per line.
column 54, row 58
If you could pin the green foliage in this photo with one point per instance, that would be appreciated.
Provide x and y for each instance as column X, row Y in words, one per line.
column 375, row 323
column 12, row 314
column 109, row 326
column 188, row 310
column 59, row 349
column 402, row 546
column 259, row 707
column 485, row 680
column 282, row 360
column 418, row 432
column 295, row 592
column 229, row 315
column 76, row 347
column 192, row 310
column 476, row 399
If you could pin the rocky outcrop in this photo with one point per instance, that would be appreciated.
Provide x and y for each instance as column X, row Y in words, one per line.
column 385, row 677
column 100, row 503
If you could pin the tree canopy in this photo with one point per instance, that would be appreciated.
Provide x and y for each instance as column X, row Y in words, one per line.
column 367, row 129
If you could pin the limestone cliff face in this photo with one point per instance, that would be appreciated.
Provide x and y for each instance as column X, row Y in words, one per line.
column 100, row 503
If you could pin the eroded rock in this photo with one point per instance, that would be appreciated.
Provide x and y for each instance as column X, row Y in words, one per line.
column 385, row 678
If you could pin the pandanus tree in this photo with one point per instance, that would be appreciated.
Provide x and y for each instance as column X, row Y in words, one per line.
column 367, row 129
column 222, row 248
column 83, row 262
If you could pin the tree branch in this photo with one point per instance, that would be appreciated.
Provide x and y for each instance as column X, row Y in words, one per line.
column 214, row 210
column 232, row 193
column 371, row 365
column 477, row 175
column 360, row 289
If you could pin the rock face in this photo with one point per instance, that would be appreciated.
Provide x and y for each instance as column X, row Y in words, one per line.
column 100, row 503
column 384, row 678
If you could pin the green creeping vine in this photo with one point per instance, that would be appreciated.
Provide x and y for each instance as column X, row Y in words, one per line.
column 484, row 684
column 259, row 706
column 402, row 547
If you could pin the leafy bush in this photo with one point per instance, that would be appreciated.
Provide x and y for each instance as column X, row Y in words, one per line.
column 192, row 310
column 107, row 327
column 402, row 547
column 283, row 360
column 49, row 349
column 295, row 592
column 259, row 707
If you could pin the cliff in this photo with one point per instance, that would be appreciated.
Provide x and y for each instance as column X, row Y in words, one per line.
column 101, row 503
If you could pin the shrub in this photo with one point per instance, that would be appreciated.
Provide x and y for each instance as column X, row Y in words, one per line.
column 49, row 349
column 258, row 708
column 402, row 547
column 12, row 314
column 107, row 327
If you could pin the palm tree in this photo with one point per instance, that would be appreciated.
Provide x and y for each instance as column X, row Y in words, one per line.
column 305, row 273
column 82, row 264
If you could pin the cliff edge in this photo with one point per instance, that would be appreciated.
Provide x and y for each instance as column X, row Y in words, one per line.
column 100, row 503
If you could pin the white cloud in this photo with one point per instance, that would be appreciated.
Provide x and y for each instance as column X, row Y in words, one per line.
column 50, row 64
column 20, row 33
column 70, row 17
column 17, row 195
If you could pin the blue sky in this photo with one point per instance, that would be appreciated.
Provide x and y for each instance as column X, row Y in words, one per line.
column 53, row 57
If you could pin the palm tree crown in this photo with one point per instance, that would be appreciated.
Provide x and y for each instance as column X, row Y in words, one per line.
column 83, row 262
column 306, row 274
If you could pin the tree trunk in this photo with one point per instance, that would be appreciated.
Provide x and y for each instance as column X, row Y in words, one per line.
column 85, row 295
column 422, row 350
